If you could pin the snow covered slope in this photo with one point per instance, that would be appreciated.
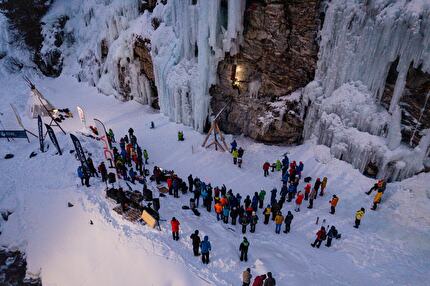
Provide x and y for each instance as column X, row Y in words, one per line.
column 391, row 246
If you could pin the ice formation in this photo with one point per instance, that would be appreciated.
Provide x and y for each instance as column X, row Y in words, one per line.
column 359, row 42
column 193, row 36
column 186, row 49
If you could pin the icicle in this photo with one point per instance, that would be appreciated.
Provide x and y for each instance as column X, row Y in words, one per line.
column 419, row 119
column 394, row 136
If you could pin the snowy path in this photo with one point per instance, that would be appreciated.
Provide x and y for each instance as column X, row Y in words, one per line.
column 390, row 247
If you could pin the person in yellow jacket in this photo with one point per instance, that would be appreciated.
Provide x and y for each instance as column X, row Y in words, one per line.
column 266, row 213
column 323, row 186
column 377, row 200
column 279, row 219
column 358, row 216
column 235, row 155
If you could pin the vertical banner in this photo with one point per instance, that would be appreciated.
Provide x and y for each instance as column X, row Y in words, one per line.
column 80, row 153
column 40, row 127
column 107, row 148
column 82, row 116
column 103, row 137
column 53, row 138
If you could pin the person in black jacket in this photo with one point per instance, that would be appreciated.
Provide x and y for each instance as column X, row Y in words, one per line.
column 253, row 221
column 288, row 219
column 243, row 248
column 190, row 183
column 244, row 222
column 247, row 202
column 270, row 281
column 234, row 213
column 332, row 233
column 196, row 242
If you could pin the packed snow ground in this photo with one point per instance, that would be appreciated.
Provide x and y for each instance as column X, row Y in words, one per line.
column 391, row 247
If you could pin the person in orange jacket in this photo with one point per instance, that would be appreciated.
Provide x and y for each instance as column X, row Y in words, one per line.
column 218, row 210
column 223, row 201
column 377, row 200
column 333, row 203
column 175, row 228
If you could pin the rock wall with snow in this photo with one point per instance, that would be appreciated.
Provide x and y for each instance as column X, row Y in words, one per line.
column 277, row 57
column 369, row 99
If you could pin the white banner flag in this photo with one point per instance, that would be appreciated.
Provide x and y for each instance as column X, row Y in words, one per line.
column 18, row 118
column 82, row 116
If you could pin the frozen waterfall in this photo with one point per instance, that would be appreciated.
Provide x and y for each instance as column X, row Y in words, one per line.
column 186, row 49
column 359, row 42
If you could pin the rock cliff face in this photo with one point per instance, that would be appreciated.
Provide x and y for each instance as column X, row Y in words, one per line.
column 277, row 57
column 413, row 102
column 142, row 53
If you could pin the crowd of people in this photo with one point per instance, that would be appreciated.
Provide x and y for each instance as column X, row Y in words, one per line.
column 229, row 207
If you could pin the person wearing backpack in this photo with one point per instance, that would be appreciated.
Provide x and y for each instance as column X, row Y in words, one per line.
column 259, row 280
column 270, row 281
column 358, row 216
column 253, row 221
column 288, row 219
column 332, row 233
column 246, row 277
column 321, row 235
column 196, row 242
column 243, row 248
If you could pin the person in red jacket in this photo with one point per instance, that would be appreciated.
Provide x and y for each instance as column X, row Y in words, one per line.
column 175, row 228
column 299, row 200
column 307, row 191
column 169, row 185
column 259, row 280
column 266, row 167
column 321, row 235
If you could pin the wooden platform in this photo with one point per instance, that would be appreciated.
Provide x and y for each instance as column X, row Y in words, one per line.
column 131, row 214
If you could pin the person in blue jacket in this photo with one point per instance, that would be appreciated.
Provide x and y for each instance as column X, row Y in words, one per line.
column 81, row 174
column 292, row 190
column 285, row 178
column 132, row 175
column 225, row 214
column 233, row 146
column 254, row 203
column 205, row 248
column 273, row 196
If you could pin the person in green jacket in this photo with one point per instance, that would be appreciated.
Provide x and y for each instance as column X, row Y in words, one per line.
column 278, row 165
column 261, row 196
column 146, row 156
column 111, row 136
column 180, row 136
column 235, row 155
